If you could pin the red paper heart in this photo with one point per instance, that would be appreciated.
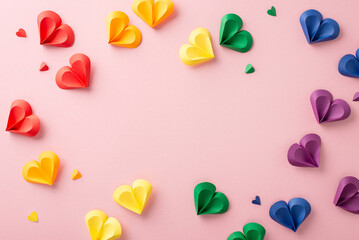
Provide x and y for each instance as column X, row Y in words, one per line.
column 76, row 76
column 52, row 31
column 21, row 120
column 43, row 67
column 21, row 33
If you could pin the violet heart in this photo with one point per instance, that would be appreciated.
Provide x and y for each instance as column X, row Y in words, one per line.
column 327, row 110
column 306, row 153
column 347, row 196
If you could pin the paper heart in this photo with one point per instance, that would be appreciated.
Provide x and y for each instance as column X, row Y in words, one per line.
column 272, row 12
column 347, row 196
column 43, row 171
column 349, row 65
column 200, row 48
column 306, row 153
column 121, row 34
column 251, row 231
column 356, row 97
column 101, row 227
column 21, row 33
column 290, row 215
column 316, row 29
column 208, row 201
column 52, row 31
column 21, row 120
column 153, row 12
column 33, row 217
column 133, row 198
column 327, row 110
column 76, row 76
column 231, row 36
column 257, row 201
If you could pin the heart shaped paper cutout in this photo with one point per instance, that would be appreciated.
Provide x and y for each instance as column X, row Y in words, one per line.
column 257, row 201
column 21, row 33
column 306, row 153
column 52, row 31
column 121, row 34
column 21, row 120
column 231, row 36
column 43, row 171
column 153, row 12
column 133, row 198
column 347, row 196
column 327, row 110
column 272, row 11
column 349, row 65
column 33, row 217
column 251, row 231
column 200, row 48
column 316, row 29
column 76, row 76
column 290, row 215
column 208, row 201
column 101, row 227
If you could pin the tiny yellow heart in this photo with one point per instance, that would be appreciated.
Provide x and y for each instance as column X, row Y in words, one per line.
column 101, row 227
column 33, row 217
column 133, row 198
column 76, row 174
column 153, row 12
column 200, row 48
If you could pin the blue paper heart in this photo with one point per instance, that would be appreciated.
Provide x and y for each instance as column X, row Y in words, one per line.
column 290, row 215
column 257, row 201
column 316, row 29
column 349, row 65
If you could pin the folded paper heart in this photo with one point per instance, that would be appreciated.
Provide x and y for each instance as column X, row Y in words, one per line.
column 349, row 65
column 43, row 171
column 208, row 201
column 153, row 12
column 316, row 29
column 251, row 231
column 76, row 76
column 76, row 174
column 257, row 201
column 306, row 153
column 272, row 11
column 21, row 120
column 133, row 198
column 43, row 67
column 101, row 227
column 327, row 110
column 33, row 217
column 121, row 34
column 249, row 69
column 53, row 32
column 347, row 196
column 21, row 33
column 200, row 48
column 356, row 97
column 290, row 215
column 231, row 36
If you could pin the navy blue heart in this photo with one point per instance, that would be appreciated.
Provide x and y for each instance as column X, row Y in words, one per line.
column 257, row 201
column 290, row 215
column 349, row 65
column 316, row 29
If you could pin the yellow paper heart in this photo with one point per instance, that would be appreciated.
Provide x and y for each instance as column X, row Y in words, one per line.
column 153, row 12
column 33, row 217
column 44, row 171
column 101, row 227
column 121, row 34
column 76, row 174
column 133, row 198
column 200, row 48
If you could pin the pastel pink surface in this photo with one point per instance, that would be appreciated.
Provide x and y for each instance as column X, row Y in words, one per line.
column 148, row 115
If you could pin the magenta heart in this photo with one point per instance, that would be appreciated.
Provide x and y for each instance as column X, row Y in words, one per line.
column 347, row 196
column 306, row 153
column 327, row 110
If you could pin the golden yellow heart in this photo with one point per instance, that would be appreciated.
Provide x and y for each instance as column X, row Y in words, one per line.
column 101, row 227
column 133, row 198
column 33, row 217
column 43, row 171
column 153, row 12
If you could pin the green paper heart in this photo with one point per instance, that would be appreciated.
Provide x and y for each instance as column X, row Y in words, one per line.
column 272, row 12
column 208, row 201
column 249, row 69
column 252, row 231
column 230, row 35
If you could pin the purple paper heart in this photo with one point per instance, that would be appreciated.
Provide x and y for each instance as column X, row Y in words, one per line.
column 327, row 110
column 306, row 153
column 347, row 196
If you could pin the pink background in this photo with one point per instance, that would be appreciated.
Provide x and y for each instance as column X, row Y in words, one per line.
column 148, row 115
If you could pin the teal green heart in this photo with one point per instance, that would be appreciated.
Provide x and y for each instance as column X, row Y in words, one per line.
column 232, row 37
column 208, row 201
column 251, row 231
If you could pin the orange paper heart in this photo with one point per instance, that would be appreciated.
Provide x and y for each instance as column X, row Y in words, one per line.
column 153, row 12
